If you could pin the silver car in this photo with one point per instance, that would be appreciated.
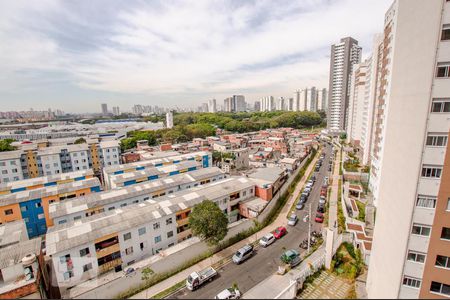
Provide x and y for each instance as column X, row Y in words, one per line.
column 293, row 219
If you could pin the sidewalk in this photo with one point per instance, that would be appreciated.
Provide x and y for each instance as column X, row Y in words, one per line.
column 332, row 213
column 181, row 276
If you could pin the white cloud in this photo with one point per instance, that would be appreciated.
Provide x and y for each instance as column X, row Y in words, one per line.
column 188, row 48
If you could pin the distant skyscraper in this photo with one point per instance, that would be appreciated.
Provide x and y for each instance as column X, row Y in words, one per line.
column 169, row 119
column 296, row 101
column 280, row 105
column 212, row 106
column 290, row 104
column 204, row 107
column 236, row 103
column 322, row 96
column 344, row 55
column 116, row 110
column 104, row 109
column 257, row 106
column 267, row 104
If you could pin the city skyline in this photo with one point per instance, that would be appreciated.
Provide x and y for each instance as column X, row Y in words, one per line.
column 73, row 61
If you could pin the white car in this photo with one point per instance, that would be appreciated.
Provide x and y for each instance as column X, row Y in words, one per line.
column 293, row 219
column 229, row 293
column 267, row 240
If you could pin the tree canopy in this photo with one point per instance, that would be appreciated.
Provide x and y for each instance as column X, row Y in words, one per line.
column 80, row 141
column 5, row 145
column 208, row 222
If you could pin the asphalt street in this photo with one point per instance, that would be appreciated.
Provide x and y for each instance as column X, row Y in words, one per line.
column 265, row 261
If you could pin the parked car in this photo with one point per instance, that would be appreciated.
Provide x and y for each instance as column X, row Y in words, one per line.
column 321, row 209
column 300, row 205
column 303, row 198
column 311, row 182
column 291, row 257
column 307, row 190
column 293, row 219
column 319, row 218
column 267, row 240
column 323, row 193
column 313, row 178
column 129, row 272
column 243, row 254
column 229, row 293
column 322, row 200
column 279, row 232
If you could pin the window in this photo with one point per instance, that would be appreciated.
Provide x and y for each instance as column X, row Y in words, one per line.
column 170, row 234
column 142, row 231
column 141, row 245
column 41, row 216
column 87, row 267
column 84, row 252
column 168, row 221
column 421, row 230
column 135, row 201
column 426, row 201
column 156, row 225
column 431, row 172
column 2, row 163
column 77, row 218
column 38, row 204
column 8, row 212
column 440, row 288
column 65, row 258
column 411, row 282
column 23, row 208
column 416, row 257
column 127, row 236
column 445, row 234
column 157, row 239
column 171, row 245
column 442, row 261
column 129, row 250
column 437, row 140
column 443, row 70
column 14, row 170
column 62, row 221
column 123, row 205
column 445, row 36
column 68, row 275
column 448, row 205
column 111, row 208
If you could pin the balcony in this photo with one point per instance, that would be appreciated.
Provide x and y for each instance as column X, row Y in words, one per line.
column 182, row 222
column 108, row 250
column 109, row 265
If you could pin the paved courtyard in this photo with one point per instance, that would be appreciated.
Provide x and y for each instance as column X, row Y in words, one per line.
column 326, row 286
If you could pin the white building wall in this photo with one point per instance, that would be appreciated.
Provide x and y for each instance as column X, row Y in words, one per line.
column 10, row 170
column 79, row 160
column 51, row 164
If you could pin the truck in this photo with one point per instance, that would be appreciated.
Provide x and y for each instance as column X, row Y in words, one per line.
column 196, row 279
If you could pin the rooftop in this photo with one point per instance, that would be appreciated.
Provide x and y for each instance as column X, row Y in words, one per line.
column 12, row 233
column 59, row 209
column 12, row 255
column 10, row 155
column 64, row 237
column 109, row 144
column 153, row 161
column 48, row 191
column 271, row 175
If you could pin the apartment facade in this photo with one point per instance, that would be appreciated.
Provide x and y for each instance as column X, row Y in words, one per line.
column 344, row 55
column 36, row 162
column 267, row 103
column 411, row 245
column 32, row 206
column 83, row 250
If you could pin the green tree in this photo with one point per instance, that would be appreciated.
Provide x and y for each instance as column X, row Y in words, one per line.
column 208, row 222
column 147, row 273
column 80, row 141
column 5, row 145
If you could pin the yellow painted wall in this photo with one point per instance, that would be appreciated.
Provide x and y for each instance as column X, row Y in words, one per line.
column 16, row 215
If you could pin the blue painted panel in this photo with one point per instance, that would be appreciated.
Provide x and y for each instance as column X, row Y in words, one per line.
column 158, row 165
column 18, row 190
column 140, row 168
column 205, row 161
column 176, row 161
column 30, row 211
column 130, row 182
column 118, row 172
column 95, row 189
column 152, row 177
column 192, row 169
column 174, row 173
column 80, row 178
column 50, row 183
column 191, row 158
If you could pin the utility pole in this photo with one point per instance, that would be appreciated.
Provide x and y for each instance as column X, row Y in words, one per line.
column 309, row 227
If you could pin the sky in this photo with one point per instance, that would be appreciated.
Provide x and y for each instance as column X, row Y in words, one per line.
column 75, row 55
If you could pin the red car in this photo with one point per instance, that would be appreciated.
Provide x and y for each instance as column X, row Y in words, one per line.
column 319, row 218
column 279, row 232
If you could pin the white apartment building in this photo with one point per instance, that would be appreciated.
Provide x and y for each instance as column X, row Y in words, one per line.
column 411, row 244
column 268, row 103
column 212, row 106
column 169, row 119
column 308, row 99
column 296, row 101
column 10, row 166
column 322, row 96
column 109, row 153
column 344, row 55
column 86, row 248
column 359, row 81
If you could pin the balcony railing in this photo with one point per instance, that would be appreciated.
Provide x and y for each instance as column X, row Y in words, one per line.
column 109, row 265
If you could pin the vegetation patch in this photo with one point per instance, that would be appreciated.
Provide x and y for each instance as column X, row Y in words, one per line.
column 347, row 262
column 341, row 217
column 362, row 211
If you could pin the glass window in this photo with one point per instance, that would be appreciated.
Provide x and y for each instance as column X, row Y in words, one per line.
column 411, row 282
column 421, row 230
column 168, row 221
column 426, row 201
column 437, row 140
column 416, row 257
column 157, row 239
column 156, row 225
column 129, row 250
column 8, row 212
column 442, row 261
column 127, row 236
column 84, row 252
column 142, row 231
column 170, row 234
column 445, row 36
column 448, row 205
column 445, row 234
column 440, row 105
column 87, row 267
column 440, row 288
